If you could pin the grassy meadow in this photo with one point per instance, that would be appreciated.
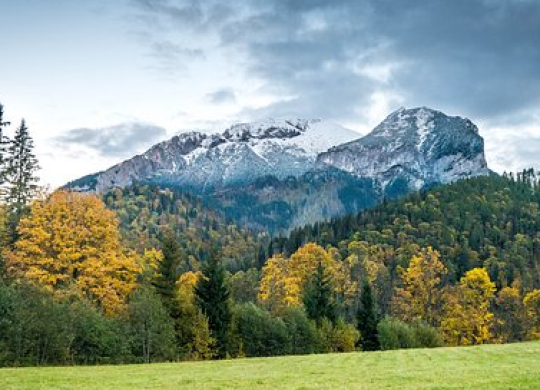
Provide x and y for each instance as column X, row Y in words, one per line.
column 493, row 367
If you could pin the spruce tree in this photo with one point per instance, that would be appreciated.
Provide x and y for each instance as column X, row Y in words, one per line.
column 4, row 143
column 213, row 298
column 169, row 270
column 21, row 174
column 318, row 297
column 368, row 320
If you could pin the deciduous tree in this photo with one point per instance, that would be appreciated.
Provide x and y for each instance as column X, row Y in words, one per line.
column 69, row 243
column 420, row 296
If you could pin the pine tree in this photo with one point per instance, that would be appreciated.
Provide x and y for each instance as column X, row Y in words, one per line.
column 21, row 175
column 169, row 270
column 213, row 298
column 4, row 142
column 368, row 320
column 318, row 297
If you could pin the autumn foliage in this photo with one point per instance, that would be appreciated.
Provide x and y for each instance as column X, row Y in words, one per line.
column 69, row 243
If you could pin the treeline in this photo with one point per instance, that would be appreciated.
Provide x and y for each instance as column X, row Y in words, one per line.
column 147, row 274
column 491, row 222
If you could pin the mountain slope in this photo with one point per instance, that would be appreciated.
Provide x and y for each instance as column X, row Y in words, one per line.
column 418, row 146
column 280, row 174
column 241, row 154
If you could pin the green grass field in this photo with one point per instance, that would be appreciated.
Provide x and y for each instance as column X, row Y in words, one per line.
column 490, row 367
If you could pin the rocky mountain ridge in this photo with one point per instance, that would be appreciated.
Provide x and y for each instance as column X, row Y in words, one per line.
column 278, row 174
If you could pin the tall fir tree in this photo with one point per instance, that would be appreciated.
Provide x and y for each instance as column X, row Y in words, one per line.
column 169, row 270
column 213, row 298
column 21, row 175
column 4, row 143
column 368, row 320
column 318, row 297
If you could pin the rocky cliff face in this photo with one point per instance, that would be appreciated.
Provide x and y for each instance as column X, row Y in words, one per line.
column 280, row 174
column 415, row 147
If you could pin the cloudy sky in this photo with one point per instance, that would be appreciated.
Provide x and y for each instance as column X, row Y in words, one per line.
column 99, row 81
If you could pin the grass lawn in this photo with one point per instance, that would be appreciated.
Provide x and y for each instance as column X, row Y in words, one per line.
column 515, row 366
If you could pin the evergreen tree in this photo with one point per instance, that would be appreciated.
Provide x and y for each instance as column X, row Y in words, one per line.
column 4, row 143
column 318, row 297
column 169, row 269
column 21, row 175
column 213, row 298
column 368, row 320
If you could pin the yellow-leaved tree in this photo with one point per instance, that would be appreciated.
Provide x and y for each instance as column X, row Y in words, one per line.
column 69, row 243
column 532, row 310
column 467, row 318
column 420, row 296
column 283, row 279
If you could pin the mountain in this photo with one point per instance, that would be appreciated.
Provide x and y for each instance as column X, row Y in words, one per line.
column 241, row 154
column 414, row 148
column 279, row 174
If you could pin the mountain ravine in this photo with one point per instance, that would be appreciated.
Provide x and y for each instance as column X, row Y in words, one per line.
column 279, row 174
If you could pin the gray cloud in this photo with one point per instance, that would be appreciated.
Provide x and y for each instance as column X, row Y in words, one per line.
column 221, row 96
column 475, row 57
column 120, row 140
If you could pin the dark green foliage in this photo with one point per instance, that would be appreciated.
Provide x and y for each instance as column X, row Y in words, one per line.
column 4, row 142
column 368, row 320
column 36, row 330
column 318, row 297
column 259, row 333
column 21, row 178
column 213, row 298
column 396, row 334
column 151, row 327
column 303, row 336
column 245, row 285
column 98, row 339
column 169, row 270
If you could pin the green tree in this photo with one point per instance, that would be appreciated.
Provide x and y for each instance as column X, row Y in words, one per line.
column 4, row 142
column 368, row 320
column 213, row 298
column 152, row 328
column 260, row 334
column 169, row 270
column 318, row 297
column 21, row 175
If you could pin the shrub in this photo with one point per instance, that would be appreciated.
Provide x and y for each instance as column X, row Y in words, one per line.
column 396, row 334
column 259, row 334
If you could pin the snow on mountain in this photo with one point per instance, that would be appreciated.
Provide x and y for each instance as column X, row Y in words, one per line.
column 240, row 154
column 414, row 148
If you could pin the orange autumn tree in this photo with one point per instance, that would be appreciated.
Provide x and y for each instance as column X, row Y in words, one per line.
column 69, row 243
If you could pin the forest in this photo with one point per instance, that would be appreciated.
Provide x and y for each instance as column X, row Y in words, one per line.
column 147, row 274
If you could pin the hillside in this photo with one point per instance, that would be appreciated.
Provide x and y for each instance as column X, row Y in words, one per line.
column 489, row 367
column 146, row 213
column 491, row 222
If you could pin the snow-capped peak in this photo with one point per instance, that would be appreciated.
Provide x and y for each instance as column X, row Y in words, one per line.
column 241, row 153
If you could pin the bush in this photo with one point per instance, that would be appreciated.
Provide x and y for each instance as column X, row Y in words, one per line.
column 258, row 333
column 98, row 339
column 341, row 337
column 396, row 334
column 426, row 336
column 303, row 336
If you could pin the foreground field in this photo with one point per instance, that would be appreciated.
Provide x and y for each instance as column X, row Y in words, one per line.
column 491, row 367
